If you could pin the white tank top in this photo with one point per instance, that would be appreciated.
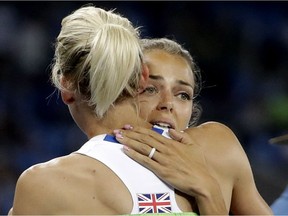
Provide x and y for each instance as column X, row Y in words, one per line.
column 149, row 193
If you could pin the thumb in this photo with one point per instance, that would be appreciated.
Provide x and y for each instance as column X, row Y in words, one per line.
column 179, row 136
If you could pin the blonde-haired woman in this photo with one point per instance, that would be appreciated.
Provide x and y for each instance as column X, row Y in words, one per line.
column 98, row 69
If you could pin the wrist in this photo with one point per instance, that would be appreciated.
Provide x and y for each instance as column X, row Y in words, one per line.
column 210, row 200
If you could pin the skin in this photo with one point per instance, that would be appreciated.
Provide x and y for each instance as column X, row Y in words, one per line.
column 209, row 151
column 78, row 184
column 168, row 96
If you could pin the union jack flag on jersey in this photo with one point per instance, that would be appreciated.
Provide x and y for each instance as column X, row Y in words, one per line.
column 154, row 203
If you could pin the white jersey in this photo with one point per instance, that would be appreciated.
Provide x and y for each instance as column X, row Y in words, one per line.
column 149, row 193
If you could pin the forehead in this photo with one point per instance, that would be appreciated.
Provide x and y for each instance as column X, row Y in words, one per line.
column 168, row 65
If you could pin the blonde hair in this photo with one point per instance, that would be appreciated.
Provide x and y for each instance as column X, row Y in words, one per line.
column 174, row 48
column 99, row 53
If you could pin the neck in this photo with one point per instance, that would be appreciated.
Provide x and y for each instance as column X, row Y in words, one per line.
column 115, row 118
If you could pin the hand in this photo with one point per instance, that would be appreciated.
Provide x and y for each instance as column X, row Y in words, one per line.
column 180, row 164
column 179, row 161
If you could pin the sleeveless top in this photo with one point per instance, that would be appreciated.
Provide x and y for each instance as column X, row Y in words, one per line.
column 149, row 193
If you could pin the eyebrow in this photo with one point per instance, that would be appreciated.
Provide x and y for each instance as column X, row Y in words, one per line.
column 181, row 82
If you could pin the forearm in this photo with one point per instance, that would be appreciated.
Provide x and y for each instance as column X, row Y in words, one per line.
column 211, row 206
column 211, row 201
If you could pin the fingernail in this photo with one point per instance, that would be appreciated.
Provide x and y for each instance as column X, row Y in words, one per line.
column 128, row 127
column 116, row 131
column 125, row 148
column 119, row 135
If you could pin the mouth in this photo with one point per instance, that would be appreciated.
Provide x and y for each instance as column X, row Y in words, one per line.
column 163, row 124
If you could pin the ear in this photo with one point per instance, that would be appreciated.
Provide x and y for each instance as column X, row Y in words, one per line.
column 67, row 96
column 144, row 77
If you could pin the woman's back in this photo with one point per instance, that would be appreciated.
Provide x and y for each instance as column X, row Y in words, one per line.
column 76, row 184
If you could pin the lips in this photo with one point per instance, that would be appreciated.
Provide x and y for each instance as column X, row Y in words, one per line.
column 164, row 124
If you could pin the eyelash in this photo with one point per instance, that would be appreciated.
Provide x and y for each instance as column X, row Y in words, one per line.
column 187, row 96
column 153, row 90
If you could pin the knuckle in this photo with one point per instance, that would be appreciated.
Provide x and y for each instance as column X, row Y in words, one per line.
column 139, row 129
column 164, row 172
column 170, row 151
column 146, row 161
column 144, row 149
column 144, row 139
column 165, row 162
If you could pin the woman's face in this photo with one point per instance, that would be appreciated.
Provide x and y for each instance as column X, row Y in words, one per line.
column 168, row 98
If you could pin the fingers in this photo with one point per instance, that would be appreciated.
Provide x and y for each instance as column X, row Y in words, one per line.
column 136, row 147
column 175, row 135
column 143, row 139
column 180, row 136
column 144, row 159
column 131, row 142
column 178, row 161
column 152, row 135
column 152, row 152
column 140, row 142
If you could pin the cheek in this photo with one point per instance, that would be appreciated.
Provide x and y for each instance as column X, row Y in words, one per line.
column 184, row 113
column 187, row 116
column 146, row 108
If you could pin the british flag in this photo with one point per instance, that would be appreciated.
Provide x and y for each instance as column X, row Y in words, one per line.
column 154, row 203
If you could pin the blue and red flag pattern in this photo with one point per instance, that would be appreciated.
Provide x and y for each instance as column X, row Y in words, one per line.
column 154, row 203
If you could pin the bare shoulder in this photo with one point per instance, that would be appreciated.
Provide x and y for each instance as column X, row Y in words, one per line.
column 214, row 132
column 230, row 165
column 221, row 145
column 72, row 184
column 215, row 128
column 42, row 186
column 42, row 173
column 35, row 176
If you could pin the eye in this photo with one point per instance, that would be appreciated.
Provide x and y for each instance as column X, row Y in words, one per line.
column 151, row 90
column 184, row 96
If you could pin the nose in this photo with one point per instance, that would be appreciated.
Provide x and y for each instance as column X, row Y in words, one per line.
column 166, row 103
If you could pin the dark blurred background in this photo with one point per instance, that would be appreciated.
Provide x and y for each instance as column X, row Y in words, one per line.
column 240, row 47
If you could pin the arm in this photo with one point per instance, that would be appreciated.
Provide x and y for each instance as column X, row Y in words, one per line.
column 246, row 198
column 31, row 193
column 180, row 164
column 24, row 198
